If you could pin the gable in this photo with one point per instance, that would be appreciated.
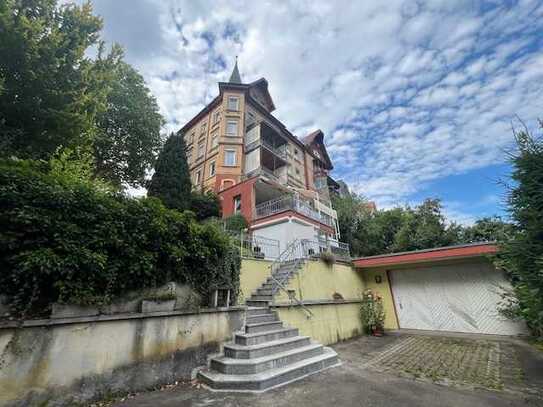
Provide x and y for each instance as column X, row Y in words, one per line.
column 258, row 90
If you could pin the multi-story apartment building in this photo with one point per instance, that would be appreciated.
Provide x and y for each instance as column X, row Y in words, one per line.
column 278, row 182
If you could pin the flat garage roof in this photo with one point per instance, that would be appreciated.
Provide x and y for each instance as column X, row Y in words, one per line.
column 421, row 256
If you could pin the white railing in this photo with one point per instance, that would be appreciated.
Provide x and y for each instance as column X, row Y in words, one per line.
column 256, row 247
column 289, row 202
column 295, row 253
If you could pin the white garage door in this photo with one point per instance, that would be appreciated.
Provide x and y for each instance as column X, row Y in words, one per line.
column 457, row 298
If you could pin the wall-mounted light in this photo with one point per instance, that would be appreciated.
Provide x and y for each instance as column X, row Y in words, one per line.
column 378, row 279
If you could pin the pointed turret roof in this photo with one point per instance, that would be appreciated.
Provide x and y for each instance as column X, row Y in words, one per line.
column 235, row 76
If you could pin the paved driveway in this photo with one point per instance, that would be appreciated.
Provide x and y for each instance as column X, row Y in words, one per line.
column 399, row 370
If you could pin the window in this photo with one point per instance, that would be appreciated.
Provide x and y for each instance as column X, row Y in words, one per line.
column 201, row 147
column 214, row 140
column 230, row 158
column 198, row 177
column 237, row 204
column 190, row 138
column 298, row 172
column 212, row 169
column 216, row 117
column 233, row 103
column 296, row 152
column 232, row 128
column 203, row 128
column 189, row 155
column 250, row 119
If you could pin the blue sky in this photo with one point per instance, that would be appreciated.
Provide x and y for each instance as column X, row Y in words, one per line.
column 416, row 98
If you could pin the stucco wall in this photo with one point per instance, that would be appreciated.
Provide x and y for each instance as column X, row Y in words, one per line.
column 64, row 362
column 330, row 323
column 383, row 289
column 318, row 281
column 252, row 274
column 331, row 320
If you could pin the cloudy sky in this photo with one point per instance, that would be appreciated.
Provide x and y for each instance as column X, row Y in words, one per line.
column 415, row 98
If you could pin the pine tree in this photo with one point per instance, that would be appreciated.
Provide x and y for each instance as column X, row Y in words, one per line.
column 171, row 180
column 522, row 254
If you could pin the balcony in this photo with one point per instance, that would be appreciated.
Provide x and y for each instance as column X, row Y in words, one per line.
column 293, row 203
column 279, row 151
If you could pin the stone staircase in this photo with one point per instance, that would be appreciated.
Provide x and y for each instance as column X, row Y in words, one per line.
column 267, row 354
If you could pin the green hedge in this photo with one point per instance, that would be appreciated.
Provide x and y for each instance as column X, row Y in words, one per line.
column 72, row 242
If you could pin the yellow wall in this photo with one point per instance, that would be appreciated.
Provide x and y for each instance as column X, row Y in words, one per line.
column 383, row 289
column 253, row 273
column 317, row 281
column 329, row 324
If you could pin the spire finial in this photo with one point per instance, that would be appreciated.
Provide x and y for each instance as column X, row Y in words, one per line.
column 235, row 76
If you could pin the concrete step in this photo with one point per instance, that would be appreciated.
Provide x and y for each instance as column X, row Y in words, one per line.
column 264, row 291
column 255, row 319
column 261, row 297
column 235, row 351
column 257, row 303
column 263, row 326
column 271, row 378
column 258, row 310
column 261, row 337
column 250, row 366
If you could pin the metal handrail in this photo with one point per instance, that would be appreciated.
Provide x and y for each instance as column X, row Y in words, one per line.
column 286, row 202
column 296, row 246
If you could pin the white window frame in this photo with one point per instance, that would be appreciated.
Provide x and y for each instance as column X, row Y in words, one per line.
column 188, row 154
column 202, row 150
column 228, row 123
column 232, row 103
column 216, row 117
column 198, row 176
column 203, row 128
column 212, row 168
column 214, row 139
column 237, row 199
column 226, row 153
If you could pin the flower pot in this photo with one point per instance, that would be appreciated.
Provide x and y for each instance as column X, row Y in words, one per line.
column 157, row 306
column 377, row 331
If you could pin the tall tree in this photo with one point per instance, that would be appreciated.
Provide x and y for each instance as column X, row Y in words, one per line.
column 49, row 96
column 425, row 227
column 522, row 254
column 128, row 135
column 488, row 229
column 171, row 180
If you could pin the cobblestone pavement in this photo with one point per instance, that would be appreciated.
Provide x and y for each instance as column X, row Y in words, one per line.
column 489, row 364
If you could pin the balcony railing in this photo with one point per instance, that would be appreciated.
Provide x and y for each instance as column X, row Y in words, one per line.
column 289, row 202
column 279, row 151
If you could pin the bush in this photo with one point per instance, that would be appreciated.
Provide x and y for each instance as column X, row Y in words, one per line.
column 328, row 258
column 206, row 205
column 66, row 240
column 372, row 312
column 235, row 223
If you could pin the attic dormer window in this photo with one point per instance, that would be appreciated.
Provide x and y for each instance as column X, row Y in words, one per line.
column 233, row 103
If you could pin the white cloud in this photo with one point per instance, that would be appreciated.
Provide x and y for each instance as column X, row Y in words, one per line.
column 407, row 93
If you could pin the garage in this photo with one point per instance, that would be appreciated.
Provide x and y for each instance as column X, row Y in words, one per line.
column 454, row 289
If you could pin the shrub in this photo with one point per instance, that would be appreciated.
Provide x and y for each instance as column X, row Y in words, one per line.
column 206, row 205
column 372, row 312
column 328, row 258
column 65, row 240
column 235, row 223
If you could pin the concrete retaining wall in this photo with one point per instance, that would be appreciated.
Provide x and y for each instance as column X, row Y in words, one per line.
column 68, row 361
column 316, row 284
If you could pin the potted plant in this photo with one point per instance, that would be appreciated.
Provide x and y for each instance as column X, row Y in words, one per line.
column 372, row 313
column 328, row 258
